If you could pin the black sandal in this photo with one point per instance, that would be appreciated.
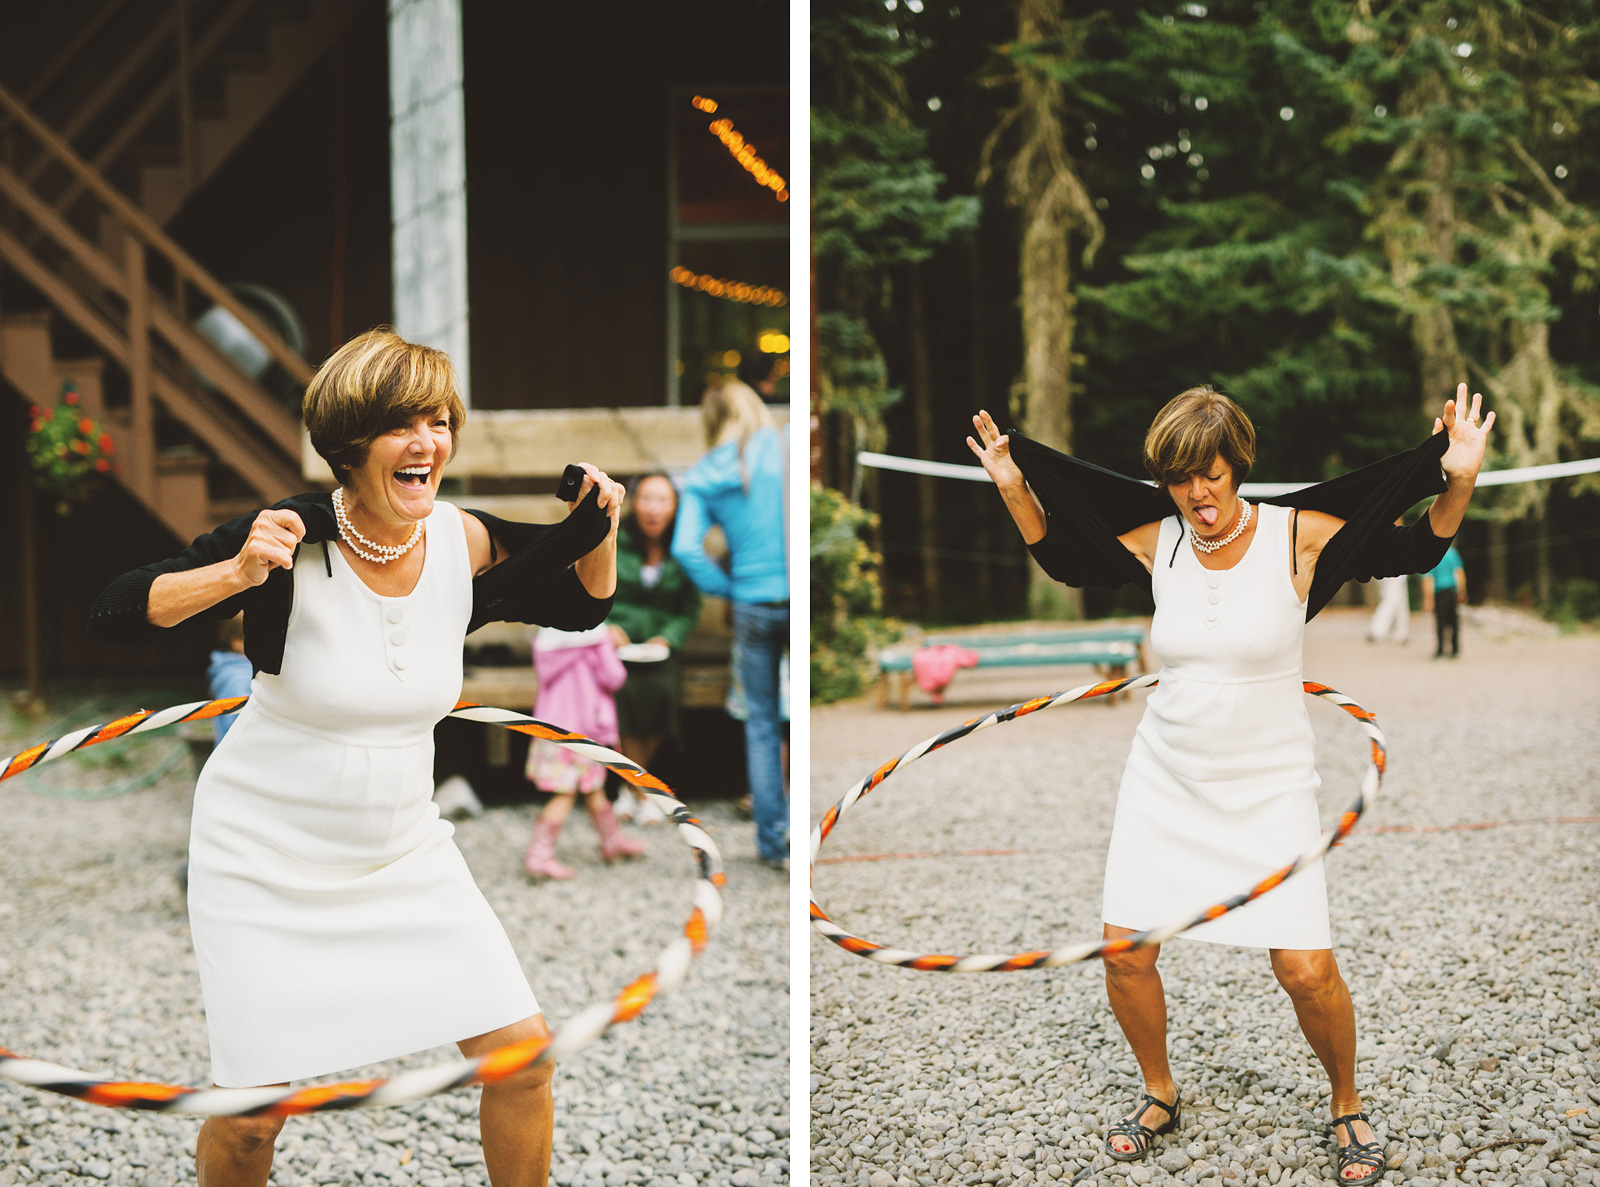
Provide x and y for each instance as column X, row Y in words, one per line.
column 1142, row 1136
column 1367, row 1154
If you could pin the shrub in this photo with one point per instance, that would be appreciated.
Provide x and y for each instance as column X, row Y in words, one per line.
column 846, row 597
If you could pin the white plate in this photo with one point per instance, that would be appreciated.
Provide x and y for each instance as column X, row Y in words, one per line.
column 643, row 653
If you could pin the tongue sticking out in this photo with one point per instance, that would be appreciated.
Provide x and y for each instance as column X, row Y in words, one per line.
column 1207, row 516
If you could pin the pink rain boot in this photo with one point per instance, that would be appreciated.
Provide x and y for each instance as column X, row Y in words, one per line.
column 541, row 859
column 614, row 843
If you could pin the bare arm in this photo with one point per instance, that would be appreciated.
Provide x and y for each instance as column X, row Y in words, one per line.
column 995, row 455
column 175, row 597
column 1460, row 463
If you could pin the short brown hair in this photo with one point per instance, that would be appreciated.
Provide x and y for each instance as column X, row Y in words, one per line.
column 372, row 384
column 1186, row 436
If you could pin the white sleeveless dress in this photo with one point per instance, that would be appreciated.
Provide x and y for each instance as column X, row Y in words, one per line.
column 335, row 921
column 1220, row 788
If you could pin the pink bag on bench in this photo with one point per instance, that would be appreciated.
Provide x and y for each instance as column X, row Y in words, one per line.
column 935, row 667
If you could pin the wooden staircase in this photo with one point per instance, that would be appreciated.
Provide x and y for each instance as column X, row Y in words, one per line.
column 157, row 94
column 96, row 294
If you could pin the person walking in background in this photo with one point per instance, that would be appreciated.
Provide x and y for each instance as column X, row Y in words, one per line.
column 1392, row 618
column 739, row 486
column 1444, row 588
column 578, row 671
column 655, row 612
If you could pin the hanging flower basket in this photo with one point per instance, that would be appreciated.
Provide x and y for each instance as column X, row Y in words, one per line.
column 69, row 451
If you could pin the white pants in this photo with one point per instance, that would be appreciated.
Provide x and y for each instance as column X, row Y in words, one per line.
column 1392, row 618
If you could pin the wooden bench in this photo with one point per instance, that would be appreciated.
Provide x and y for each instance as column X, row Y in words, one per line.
column 1110, row 650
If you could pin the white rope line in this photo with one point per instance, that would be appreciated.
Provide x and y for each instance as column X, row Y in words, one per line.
column 1252, row 490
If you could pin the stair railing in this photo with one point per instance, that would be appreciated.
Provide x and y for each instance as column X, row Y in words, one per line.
column 251, row 417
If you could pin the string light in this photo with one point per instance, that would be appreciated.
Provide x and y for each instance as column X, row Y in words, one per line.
column 729, row 290
column 745, row 153
column 704, row 104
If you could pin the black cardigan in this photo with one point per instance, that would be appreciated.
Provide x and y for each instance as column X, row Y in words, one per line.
column 1087, row 508
column 535, row 583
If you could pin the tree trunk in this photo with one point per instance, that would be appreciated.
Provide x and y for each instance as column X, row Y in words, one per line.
column 1542, row 585
column 1440, row 365
column 818, row 451
column 1497, row 584
column 922, row 399
column 1042, row 185
column 27, row 545
column 983, row 497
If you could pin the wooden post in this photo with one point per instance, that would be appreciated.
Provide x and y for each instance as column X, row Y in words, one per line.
column 30, row 587
column 140, row 460
column 191, row 168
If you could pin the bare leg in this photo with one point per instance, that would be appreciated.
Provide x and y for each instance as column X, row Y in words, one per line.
column 641, row 748
column 516, row 1116
column 236, row 1151
column 1140, row 1004
column 1328, row 1020
column 559, row 808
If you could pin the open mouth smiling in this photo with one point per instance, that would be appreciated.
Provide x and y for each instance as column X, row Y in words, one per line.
column 415, row 477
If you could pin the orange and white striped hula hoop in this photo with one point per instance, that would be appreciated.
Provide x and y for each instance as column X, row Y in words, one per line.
column 1072, row 954
column 578, row 1031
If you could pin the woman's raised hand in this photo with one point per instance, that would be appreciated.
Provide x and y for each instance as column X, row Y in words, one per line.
column 271, row 544
column 611, row 493
column 995, row 453
column 1468, row 439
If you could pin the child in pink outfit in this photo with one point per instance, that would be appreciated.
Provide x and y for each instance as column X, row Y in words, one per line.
column 578, row 671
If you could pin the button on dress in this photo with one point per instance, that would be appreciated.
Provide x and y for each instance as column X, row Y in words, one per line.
column 1220, row 787
column 335, row 922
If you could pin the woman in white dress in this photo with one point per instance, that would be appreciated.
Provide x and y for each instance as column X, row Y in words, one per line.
column 335, row 923
column 1220, row 786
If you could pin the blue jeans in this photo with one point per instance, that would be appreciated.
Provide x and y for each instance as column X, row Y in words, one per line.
column 763, row 635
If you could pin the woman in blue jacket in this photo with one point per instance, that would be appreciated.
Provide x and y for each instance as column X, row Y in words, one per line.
column 739, row 486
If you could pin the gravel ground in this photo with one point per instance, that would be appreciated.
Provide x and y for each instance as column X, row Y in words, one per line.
column 1470, row 952
column 97, row 972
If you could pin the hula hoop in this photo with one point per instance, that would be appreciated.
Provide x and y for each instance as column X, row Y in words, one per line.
column 580, row 1030
column 1049, row 959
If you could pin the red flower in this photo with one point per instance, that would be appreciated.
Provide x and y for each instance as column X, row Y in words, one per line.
column 36, row 426
column 105, row 442
column 102, row 465
column 35, row 411
column 47, row 414
column 86, row 426
column 70, row 398
column 81, row 447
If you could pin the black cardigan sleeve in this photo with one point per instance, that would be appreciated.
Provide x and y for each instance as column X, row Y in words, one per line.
column 536, row 582
column 120, row 613
column 1086, row 508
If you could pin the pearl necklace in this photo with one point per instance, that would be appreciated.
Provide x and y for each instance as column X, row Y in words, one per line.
column 1210, row 546
column 370, row 550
